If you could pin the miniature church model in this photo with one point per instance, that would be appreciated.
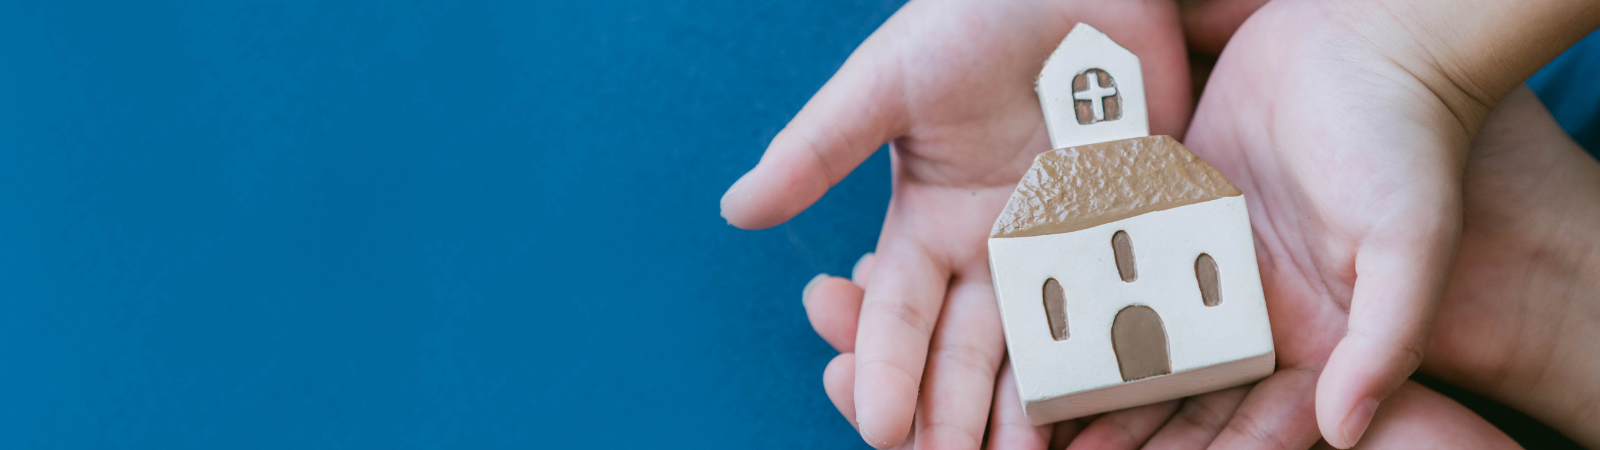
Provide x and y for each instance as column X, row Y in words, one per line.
column 1124, row 265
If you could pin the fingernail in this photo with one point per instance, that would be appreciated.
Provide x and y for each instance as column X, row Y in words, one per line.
column 731, row 195
column 1356, row 423
column 806, row 293
column 855, row 271
column 872, row 441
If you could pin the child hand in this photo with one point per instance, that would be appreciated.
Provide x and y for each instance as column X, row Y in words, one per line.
column 1517, row 319
column 949, row 84
column 1412, row 416
column 1347, row 126
column 1514, row 324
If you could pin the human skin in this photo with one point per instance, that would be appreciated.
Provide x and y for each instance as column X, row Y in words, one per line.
column 1355, row 230
column 1414, row 416
column 1517, row 323
column 949, row 83
column 1346, row 124
column 1556, row 273
column 1521, row 314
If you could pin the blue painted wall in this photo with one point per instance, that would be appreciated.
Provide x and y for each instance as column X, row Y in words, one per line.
column 292, row 224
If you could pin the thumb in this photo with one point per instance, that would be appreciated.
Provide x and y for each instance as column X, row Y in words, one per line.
column 858, row 110
column 1398, row 282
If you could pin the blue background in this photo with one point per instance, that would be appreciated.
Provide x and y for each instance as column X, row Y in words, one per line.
column 289, row 224
column 294, row 224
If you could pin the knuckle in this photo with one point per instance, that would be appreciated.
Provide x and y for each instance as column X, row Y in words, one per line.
column 1251, row 428
column 944, row 435
column 1196, row 416
column 867, row 366
column 967, row 358
column 904, row 313
column 1123, row 435
column 1409, row 351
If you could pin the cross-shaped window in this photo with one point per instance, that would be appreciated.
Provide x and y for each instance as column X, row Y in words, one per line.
column 1095, row 97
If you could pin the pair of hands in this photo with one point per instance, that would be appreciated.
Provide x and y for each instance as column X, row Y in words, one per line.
column 1350, row 160
column 1517, row 322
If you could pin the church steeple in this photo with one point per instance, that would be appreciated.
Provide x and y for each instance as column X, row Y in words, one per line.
column 1092, row 90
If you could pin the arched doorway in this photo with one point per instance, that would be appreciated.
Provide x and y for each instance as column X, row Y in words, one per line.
column 1140, row 341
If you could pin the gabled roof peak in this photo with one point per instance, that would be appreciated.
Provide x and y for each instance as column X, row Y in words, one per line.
column 1086, row 48
column 1076, row 188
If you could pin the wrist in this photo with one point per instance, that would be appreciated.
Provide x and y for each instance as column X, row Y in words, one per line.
column 1518, row 325
column 1562, row 386
column 1521, row 311
column 1469, row 53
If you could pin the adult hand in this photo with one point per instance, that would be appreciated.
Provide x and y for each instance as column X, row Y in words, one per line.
column 1417, row 417
column 1412, row 417
column 1518, row 317
column 1347, row 127
column 1517, row 323
column 1521, row 313
column 949, row 84
column 1351, row 165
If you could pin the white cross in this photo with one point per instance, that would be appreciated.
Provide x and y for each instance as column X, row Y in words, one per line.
column 1095, row 94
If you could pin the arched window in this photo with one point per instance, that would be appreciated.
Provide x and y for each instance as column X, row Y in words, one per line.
column 1055, row 308
column 1210, row 277
column 1122, row 248
column 1095, row 97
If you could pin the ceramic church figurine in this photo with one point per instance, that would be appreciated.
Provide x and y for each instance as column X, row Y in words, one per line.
column 1123, row 264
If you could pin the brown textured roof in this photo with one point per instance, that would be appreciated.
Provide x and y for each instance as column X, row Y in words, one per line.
column 1074, row 188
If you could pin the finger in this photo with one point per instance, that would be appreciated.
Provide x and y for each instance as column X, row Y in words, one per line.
column 1062, row 433
column 856, row 112
column 964, row 357
column 897, row 319
column 1398, row 281
column 908, row 444
column 838, row 380
column 1009, row 427
column 1417, row 417
column 833, row 305
column 1128, row 428
column 1199, row 420
column 1276, row 414
column 862, row 269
